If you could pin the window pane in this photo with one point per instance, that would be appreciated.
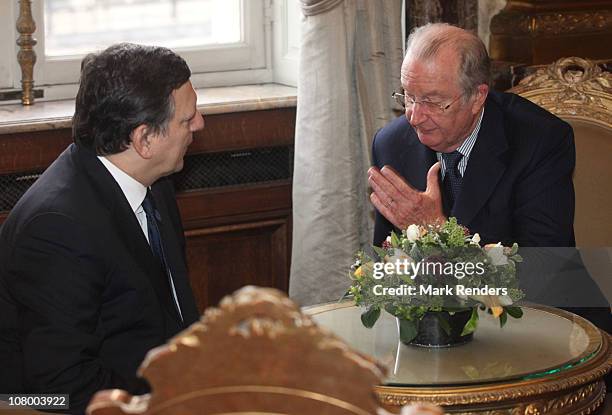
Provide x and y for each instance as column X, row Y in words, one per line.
column 76, row 27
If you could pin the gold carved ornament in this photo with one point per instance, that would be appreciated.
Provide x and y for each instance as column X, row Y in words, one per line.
column 573, row 88
column 255, row 353
column 580, row 390
column 551, row 23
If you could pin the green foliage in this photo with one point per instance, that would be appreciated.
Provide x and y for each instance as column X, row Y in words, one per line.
column 503, row 318
column 380, row 252
column 470, row 326
column 436, row 246
column 515, row 312
column 395, row 240
column 408, row 330
column 370, row 317
column 455, row 235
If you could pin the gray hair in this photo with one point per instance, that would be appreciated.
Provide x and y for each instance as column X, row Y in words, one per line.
column 426, row 42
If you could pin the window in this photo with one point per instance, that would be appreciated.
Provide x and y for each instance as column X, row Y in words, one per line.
column 76, row 27
column 225, row 42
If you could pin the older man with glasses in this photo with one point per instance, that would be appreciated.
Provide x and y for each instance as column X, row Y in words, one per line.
column 505, row 164
column 498, row 163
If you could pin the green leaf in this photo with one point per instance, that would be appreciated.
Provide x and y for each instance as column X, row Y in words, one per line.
column 408, row 330
column 395, row 241
column 514, row 249
column 503, row 318
column 470, row 326
column 415, row 253
column 515, row 312
column 382, row 253
column 391, row 309
column 370, row 316
column 443, row 323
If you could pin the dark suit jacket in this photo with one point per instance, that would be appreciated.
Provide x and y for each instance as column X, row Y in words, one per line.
column 517, row 187
column 82, row 298
column 518, row 183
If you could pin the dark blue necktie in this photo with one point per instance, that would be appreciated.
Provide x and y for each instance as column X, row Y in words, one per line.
column 452, row 177
column 153, row 221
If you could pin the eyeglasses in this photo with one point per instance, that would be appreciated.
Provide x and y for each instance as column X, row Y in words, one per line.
column 427, row 106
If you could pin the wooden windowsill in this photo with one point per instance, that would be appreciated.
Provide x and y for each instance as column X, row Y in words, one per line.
column 51, row 115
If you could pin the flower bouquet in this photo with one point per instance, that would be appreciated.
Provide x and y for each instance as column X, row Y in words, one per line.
column 434, row 279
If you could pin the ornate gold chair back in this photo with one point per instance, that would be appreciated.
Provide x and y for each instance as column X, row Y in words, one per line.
column 580, row 92
column 255, row 354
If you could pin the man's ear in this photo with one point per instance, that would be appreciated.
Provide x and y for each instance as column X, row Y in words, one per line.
column 481, row 96
column 142, row 141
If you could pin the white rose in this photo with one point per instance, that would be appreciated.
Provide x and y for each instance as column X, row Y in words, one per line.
column 495, row 303
column 476, row 239
column 413, row 233
column 505, row 300
column 495, row 252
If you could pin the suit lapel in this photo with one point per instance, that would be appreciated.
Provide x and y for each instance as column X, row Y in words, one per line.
column 127, row 226
column 485, row 167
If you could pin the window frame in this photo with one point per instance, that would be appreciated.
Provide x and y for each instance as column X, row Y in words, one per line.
column 248, row 62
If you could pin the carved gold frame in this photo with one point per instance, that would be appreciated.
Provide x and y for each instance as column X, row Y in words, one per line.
column 255, row 353
column 571, row 88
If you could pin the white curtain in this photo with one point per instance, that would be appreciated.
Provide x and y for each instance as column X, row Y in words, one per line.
column 350, row 60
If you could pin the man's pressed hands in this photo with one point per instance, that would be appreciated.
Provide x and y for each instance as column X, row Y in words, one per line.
column 401, row 203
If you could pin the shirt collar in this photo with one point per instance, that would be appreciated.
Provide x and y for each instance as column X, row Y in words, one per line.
column 133, row 190
column 468, row 144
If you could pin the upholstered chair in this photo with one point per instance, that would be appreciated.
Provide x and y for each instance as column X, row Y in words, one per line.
column 580, row 92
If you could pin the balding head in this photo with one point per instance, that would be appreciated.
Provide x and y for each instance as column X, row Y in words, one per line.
column 445, row 78
column 428, row 42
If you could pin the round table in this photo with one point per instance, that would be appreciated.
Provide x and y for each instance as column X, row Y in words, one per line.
column 548, row 362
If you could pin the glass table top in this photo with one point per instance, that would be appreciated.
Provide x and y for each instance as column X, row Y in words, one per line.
column 542, row 342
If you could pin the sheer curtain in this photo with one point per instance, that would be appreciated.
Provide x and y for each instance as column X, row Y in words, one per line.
column 350, row 60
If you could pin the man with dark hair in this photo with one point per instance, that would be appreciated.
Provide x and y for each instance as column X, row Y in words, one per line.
column 497, row 162
column 92, row 265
